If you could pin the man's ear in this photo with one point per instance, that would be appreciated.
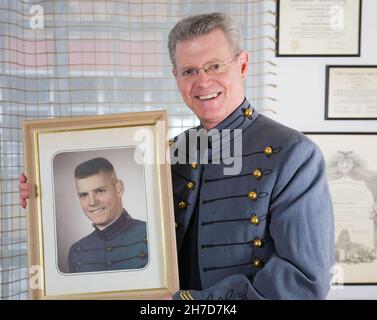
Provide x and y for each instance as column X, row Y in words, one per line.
column 244, row 60
column 119, row 187
column 174, row 73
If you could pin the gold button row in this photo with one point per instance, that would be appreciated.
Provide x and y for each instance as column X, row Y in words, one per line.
column 248, row 113
column 258, row 263
column 257, row 173
column 254, row 220
column 182, row 205
column 257, row 243
column 253, row 195
column 268, row 151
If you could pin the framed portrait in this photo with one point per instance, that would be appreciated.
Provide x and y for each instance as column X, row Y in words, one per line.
column 100, row 215
column 351, row 92
column 351, row 169
column 318, row 28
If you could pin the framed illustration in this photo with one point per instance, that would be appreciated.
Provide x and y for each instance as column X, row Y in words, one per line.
column 318, row 28
column 351, row 168
column 100, row 215
column 351, row 92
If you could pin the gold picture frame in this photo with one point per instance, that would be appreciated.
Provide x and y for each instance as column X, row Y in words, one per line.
column 137, row 146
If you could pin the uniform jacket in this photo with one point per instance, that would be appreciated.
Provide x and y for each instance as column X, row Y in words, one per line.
column 266, row 232
column 122, row 245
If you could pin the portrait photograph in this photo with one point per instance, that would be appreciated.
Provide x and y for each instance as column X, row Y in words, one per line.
column 101, row 221
column 93, row 190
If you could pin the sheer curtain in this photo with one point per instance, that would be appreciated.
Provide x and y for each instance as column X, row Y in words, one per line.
column 68, row 58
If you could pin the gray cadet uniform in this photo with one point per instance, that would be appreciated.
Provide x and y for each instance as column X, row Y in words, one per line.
column 265, row 233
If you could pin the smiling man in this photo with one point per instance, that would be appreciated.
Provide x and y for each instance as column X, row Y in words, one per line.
column 118, row 241
column 211, row 98
column 266, row 232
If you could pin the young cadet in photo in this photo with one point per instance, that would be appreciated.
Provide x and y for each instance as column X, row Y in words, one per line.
column 118, row 241
column 266, row 232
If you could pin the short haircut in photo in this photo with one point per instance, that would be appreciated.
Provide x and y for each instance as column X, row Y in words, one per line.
column 92, row 167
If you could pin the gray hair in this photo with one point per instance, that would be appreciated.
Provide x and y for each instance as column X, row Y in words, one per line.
column 199, row 25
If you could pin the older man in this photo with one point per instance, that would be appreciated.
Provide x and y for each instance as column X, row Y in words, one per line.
column 267, row 231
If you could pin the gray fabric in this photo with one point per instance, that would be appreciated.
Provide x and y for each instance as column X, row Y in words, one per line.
column 294, row 208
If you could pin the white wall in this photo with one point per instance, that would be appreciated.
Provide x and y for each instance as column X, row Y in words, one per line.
column 301, row 83
column 301, row 104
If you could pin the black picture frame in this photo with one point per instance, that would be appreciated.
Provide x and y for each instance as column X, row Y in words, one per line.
column 280, row 54
column 328, row 94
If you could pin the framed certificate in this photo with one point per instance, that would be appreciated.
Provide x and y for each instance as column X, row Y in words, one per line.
column 351, row 92
column 351, row 165
column 100, row 217
column 318, row 28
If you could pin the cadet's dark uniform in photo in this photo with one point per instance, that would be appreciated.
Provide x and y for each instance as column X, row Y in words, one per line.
column 265, row 233
column 122, row 245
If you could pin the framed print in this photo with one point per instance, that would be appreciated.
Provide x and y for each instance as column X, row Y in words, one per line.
column 100, row 215
column 351, row 92
column 318, row 28
column 351, row 168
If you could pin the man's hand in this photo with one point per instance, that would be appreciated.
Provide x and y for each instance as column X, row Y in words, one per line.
column 24, row 189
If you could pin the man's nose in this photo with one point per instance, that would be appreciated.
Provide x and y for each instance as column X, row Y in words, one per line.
column 202, row 78
column 92, row 200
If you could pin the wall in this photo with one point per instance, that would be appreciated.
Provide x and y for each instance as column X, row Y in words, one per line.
column 301, row 104
column 301, row 83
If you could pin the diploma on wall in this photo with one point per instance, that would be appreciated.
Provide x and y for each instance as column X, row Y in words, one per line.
column 351, row 170
column 318, row 28
column 351, row 92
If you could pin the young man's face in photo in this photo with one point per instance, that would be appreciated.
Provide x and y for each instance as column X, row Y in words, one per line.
column 100, row 197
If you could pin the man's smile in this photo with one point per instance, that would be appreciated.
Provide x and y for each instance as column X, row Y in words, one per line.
column 99, row 210
column 210, row 96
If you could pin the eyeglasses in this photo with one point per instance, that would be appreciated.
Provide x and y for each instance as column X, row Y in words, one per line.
column 212, row 69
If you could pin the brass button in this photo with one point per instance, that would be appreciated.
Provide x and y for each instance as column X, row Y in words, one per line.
column 190, row 185
column 142, row 255
column 267, row 151
column 248, row 113
column 252, row 195
column 145, row 240
column 182, row 205
column 258, row 263
column 171, row 142
column 254, row 220
column 194, row 165
column 257, row 243
column 257, row 173
column 176, row 225
column 109, row 248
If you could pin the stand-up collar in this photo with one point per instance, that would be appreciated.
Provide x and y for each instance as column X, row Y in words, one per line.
column 117, row 227
column 188, row 142
column 239, row 118
column 233, row 125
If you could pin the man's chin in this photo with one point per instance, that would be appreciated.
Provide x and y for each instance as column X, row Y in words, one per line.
column 210, row 119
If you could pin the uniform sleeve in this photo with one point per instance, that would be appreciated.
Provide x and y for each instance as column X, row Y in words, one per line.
column 71, row 264
column 302, row 228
